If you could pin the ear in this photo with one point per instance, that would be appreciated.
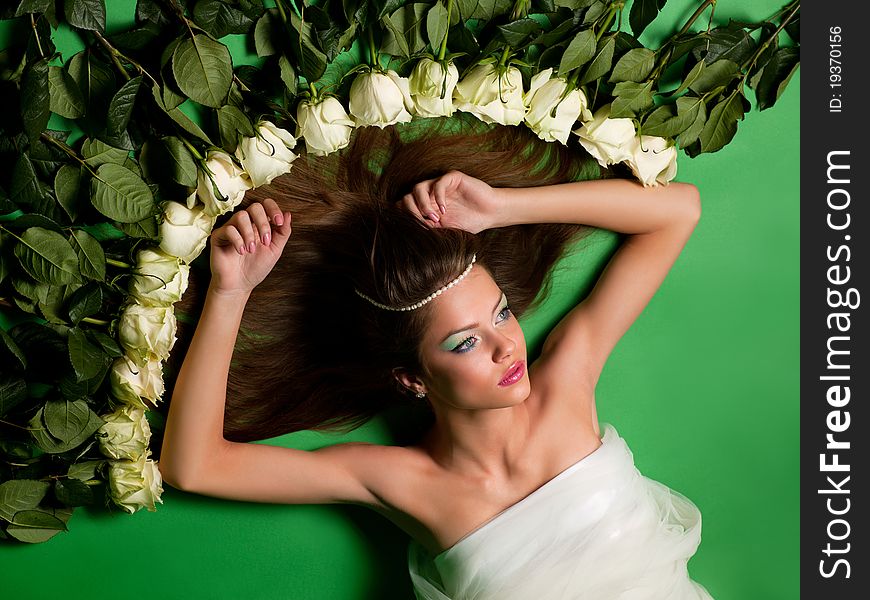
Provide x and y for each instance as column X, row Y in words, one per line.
column 407, row 380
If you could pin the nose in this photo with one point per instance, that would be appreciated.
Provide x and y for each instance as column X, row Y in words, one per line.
column 505, row 347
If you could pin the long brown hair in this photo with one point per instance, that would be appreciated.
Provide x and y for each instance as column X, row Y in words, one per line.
column 311, row 353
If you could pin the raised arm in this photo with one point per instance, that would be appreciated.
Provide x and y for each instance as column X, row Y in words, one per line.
column 195, row 455
column 658, row 222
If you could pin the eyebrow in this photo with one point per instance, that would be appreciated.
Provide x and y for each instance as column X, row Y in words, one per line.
column 472, row 325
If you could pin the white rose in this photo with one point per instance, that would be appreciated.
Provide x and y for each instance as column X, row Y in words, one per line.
column 159, row 279
column 609, row 140
column 231, row 183
column 380, row 99
column 184, row 231
column 125, row 434
column 545, row 93
column 135, row 484
column 147, row 331
column 653, row 160
column 130, row 383
column 325, row 126
column 478, row 94
column 425, row 84
column 266, row 155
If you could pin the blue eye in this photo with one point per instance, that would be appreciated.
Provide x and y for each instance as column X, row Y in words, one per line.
column 464, row 343
column 506, row 309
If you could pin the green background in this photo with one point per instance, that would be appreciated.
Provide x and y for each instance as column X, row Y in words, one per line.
column 704, row 388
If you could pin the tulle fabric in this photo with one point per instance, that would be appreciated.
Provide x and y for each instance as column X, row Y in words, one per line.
column 599, row 530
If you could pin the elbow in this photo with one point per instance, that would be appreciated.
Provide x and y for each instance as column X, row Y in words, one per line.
column 692, row 202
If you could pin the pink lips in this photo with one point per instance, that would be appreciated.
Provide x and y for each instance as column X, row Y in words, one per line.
column 514, row 374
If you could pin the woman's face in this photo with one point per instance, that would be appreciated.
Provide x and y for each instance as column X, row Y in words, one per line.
column 472, row 341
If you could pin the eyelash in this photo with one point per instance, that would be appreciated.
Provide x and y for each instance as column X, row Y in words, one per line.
column 507, row 309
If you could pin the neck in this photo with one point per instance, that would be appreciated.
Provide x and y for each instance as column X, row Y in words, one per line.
column 481, row 442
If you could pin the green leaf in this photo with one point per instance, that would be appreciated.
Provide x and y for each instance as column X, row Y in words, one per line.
column 64, row 419
column 85, row 470
column 722, row 123
column 67, row 183
column 35, row 99
column 35, row 533
column 65, row 98
column 436, row 25
column 635, row 65
column 96, row 153
column 33, row 6
column 47, row 257
column 95, row 80
column 92, row 259
column 690, row 135
column 86, row 360
column 86, row 14
column 25, row 189
column 516, row 33
column 13, row 391
column 719, row 73
column 20, row 494
column 288, row 74
column 85, row 301
column 265, row 33
column 403, row 36
column 180, row 118
column 203, row 70
column 630, row 98
column 108, row 344
column 73, row 492
column 121, row 194
column 48, row 442
column 693, row 74
column 485, row 10
column 776, row 75
column 687, row 113
column 735, row 44
column 579, row 52
column 181, row 166
column 232, row 122
column 600, row 65
column 309, row 57
column 642, row 14
column 146, row 228
column 13, row 349
column 121, row 106
column 220, row 19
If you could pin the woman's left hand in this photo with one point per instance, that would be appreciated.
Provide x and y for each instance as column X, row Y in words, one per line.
column 454, row 200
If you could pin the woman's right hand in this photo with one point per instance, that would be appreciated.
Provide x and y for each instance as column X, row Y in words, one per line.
column 245, row 248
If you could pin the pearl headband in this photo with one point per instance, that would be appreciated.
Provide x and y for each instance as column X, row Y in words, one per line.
column 428, row 298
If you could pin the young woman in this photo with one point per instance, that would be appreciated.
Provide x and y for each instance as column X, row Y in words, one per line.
column 512, row 491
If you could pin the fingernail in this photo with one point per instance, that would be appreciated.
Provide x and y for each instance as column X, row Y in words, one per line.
column 266, row 239
column 443, row 210
column 433, row 216
column 279, row 219
column 252, row 247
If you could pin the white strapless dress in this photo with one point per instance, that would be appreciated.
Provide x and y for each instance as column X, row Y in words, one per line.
column 599, row 530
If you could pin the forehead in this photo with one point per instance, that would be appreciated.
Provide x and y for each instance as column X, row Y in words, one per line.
column 468, row 301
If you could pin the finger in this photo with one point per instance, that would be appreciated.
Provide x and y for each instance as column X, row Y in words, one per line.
column 274, row 211
column 441, row 187
column 260, row 222
column 242, row 222
column 424, row 200
column 411, row 204
column 229, row 236
column 282, row 232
